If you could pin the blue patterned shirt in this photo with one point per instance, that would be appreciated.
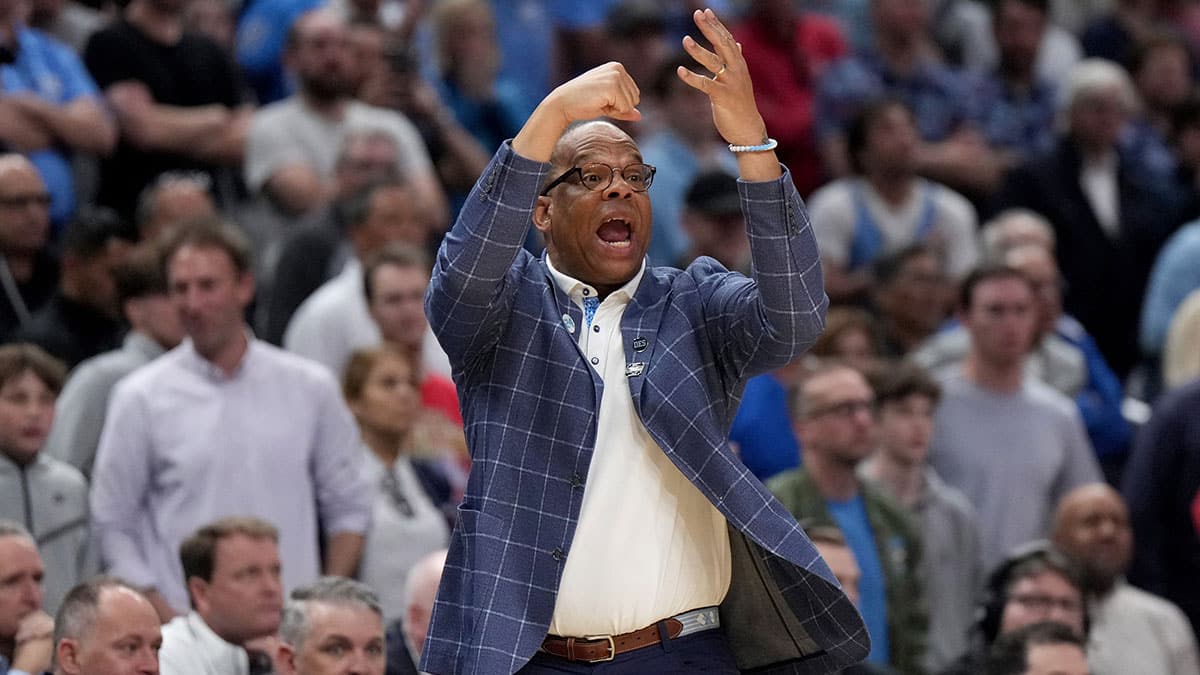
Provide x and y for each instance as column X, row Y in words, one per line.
column 938, row 96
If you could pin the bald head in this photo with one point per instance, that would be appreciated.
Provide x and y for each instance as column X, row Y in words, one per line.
column 1091, row 526
column 24, row 208
column 420, row 591
column 568, row 144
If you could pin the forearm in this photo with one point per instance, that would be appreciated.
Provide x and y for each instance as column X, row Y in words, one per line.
column 342, row 553
column 228, row 146
column 175, row 129
column 81, row 125
column 20, row 131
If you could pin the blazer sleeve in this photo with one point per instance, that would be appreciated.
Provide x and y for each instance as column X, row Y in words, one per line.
column 764, row 322
column 474, row 280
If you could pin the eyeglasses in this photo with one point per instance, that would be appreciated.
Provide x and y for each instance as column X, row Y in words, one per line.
column 1044, row 603
column 844, row 410
column 597, row 176
column 391, row 487
column 25, row 201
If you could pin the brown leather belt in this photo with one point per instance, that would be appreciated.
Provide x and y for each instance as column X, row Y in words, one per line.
column 607, row 647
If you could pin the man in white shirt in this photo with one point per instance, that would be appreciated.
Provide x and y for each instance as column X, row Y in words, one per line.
column 223, row 425
column 233, row 576
column 1132, row 631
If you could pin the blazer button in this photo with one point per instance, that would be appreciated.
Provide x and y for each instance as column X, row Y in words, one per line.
column 558, row 555
column 576, row 480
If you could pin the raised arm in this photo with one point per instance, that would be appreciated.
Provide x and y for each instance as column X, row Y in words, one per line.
column 766, row 322
column 469, row 295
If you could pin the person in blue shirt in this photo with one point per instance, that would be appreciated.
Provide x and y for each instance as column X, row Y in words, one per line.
column 49, row 108
column 833, row 413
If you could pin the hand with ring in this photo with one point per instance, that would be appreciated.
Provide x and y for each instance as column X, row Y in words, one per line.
column 735, row 113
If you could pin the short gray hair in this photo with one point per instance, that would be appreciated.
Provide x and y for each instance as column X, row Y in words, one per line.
column 78, row 610
column 327, row 591
column 1091, row 76
column 996, row 234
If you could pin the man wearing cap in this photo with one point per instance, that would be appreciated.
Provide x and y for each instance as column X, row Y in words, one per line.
column 713, row 220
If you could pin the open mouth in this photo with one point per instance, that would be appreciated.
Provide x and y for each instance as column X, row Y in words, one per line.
column 615, row 232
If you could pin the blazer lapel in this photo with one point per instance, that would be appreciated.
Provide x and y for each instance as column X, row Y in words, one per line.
column 639, row 332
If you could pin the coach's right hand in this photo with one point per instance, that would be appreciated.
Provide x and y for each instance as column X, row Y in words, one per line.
column 604, row 91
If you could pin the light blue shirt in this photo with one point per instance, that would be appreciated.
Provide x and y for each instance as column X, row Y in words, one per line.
column 185, row 444
column 50, row 70
column 1174, row 277
column 851, row 519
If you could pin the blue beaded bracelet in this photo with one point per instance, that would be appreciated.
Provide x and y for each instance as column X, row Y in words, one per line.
column 770, row 144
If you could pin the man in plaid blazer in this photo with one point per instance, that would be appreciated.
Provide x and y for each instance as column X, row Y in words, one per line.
column 604, row 499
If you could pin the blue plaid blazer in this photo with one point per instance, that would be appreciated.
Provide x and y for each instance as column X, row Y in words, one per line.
column 530, row 403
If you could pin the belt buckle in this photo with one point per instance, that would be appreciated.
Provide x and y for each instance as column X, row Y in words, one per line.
column 612, row 647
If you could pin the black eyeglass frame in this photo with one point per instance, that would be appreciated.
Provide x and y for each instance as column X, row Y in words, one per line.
column 611, row 176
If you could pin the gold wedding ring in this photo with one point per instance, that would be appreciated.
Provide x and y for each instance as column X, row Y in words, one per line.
column 719, row 71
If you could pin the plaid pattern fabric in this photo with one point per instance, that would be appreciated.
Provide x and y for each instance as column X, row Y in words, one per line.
column 530, row 404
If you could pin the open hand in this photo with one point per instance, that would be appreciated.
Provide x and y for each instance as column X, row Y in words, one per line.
column 735, row 113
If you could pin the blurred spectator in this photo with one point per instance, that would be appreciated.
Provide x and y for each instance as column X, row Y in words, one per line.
column 901, row 64
column 786, row 51
column 201, row 432
column 293, row 145
column 1045, row 648
column 106, row 627
column 1012, row 443
column 49, row 496
column 1181, row 356
column 684, row 145
column 713, row 221
column 83, row 317
column 1033, row 584
column 1075, row 15
column 1055, row 49
column 332, row 610
column 1131, row 630
column 1017, row 104
column 905, row 400
column 832, row 546
column 762, row 432
column 420, row 591
column 832, row 413
column 69, row 22
column 391, row 80
column 525, row 34
column 318, row 249
column 884, row 206
column 1162, row 73
column 28, row 270
column 394, row 280
column 26, row 632
column 1161, row 486
column 154, row 327
column 1185, row 145
column 212, row 19
column 233, row 570
column 334, row 320
column 1109, row 217
column 1014, row 228
column 172, row 198
column 1174, row 276
column 1115, row 35
column 176, row 97
column 1063, row 355
column 468, row 60
column 852, row 335
column 260, row 41
column 912, row 295
column 636, row 35
column 412, row 495
column 50, row 107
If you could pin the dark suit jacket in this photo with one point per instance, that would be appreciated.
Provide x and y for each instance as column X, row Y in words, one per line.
column 1106, row 277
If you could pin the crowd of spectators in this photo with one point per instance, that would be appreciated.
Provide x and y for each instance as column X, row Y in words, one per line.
column 217, row 383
